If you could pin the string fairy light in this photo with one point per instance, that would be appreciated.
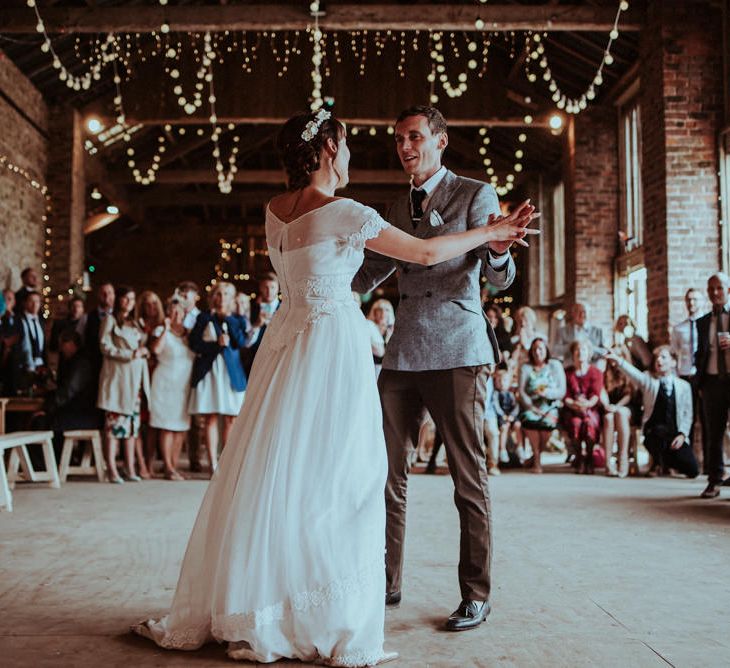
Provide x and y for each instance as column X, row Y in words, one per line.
column 316, row 37
column 508, row 184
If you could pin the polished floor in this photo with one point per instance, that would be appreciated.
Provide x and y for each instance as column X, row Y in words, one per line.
column 588, row 571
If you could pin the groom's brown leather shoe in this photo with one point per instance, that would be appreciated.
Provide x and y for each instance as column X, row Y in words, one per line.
column 468, row 616
column 392, row 599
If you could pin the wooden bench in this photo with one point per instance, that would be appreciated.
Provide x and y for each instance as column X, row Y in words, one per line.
column 92, row 446
column 18, row 442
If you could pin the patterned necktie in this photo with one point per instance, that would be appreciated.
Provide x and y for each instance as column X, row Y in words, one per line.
column 417, row 197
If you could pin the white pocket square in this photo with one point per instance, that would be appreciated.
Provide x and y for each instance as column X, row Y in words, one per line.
column 435, row 219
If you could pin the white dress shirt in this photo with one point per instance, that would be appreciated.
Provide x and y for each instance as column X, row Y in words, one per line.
column 684, row 346
column 497, row 262
column 34, row 330
column 712, row 367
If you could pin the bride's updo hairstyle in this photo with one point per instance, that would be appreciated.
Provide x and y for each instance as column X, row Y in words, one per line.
column 300, row 156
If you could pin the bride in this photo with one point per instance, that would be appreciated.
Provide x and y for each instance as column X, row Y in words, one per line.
column 286, row 558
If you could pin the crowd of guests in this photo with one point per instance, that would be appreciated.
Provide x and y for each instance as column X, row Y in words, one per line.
column 159, row 375
column 154, row 375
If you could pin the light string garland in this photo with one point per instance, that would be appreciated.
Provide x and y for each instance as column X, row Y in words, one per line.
column 508, row 184
column 316, row 37
column 577, row 104
column 31, row 181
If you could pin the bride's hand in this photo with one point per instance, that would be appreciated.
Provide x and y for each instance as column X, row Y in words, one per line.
column 506, row 230
column 521, row 217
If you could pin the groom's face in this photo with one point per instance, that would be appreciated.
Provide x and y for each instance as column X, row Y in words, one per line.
column 419, row 149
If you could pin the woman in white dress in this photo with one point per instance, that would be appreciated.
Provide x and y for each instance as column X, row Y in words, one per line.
column 286, row 559
column 170, row 390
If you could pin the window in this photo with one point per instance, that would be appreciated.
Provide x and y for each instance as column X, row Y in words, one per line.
column 558, row 241
column 630, row 166
column 725, row 198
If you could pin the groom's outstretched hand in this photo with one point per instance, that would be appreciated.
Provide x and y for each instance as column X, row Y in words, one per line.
column 522, row 215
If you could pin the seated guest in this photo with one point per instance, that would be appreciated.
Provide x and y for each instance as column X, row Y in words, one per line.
column 72, row 405
column 542, row 388
column 618, row 405
column 218, row 380
column 262, row 310
column 578, row 329
column 75, row 320
column 11, row 334
column 507, row 410
column 33, row 360
column 581, row 415
column 124, row 377
column 31, row 283
column 667, row 411
column 170, row 389
column 624, row 334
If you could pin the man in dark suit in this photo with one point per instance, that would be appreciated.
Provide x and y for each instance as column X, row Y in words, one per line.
column 713, row 377
column 262, row 309
column 75, row 320
column 29, row 276
column 32, row 363
column 11, row 334
column 104, row 307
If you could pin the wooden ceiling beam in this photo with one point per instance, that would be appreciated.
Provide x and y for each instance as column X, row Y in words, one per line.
column 444, row 16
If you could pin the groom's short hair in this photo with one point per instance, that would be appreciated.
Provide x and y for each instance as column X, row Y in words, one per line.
column 435, row 118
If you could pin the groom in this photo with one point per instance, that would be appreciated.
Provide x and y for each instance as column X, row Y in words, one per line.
column 441, row 352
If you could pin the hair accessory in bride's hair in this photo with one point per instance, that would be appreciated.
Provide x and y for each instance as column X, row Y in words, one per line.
column 312, row 128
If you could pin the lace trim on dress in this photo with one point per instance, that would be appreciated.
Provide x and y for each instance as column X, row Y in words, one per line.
column 229, row 627
column 370, row 229
column 325, row 287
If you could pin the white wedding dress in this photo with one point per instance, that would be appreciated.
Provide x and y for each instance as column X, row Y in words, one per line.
column 286, row 558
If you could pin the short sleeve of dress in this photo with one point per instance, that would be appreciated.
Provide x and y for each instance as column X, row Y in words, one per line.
column 366, row 224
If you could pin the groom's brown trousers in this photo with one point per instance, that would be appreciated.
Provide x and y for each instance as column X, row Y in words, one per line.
column 455, row 399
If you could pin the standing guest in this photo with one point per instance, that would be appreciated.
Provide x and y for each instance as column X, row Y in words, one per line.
column 581, row 411
column 150, row 315
column 578, row 329
column 542, row 388
column 75, row 320
column 667, row 411
column 170, row 390
column 624, row 334
column 124, row 377
column 11, row 334
column 713, row 377
column 617, row 403
column 218, row 380
column 382, row 319
column 189, row 295
column 31, row 283
column 243, row 306
column 496, row 320
column 104, row 307
column 72, row 405
column 507, row 409
column 684, row 346
column 263, row 308
column 33, row 360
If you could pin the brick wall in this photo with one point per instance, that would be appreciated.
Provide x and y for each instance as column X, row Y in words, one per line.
column 24, row 121
column 592, row 215
column 681, row 113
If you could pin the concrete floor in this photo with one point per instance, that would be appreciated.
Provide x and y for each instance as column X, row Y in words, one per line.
column 588, row 571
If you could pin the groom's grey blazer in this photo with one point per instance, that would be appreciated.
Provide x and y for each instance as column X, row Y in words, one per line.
column 440, row 323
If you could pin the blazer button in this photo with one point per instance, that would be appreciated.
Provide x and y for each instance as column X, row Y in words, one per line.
column 429, row 267
column 406, row 269
column 428, row 293
column 404, row 296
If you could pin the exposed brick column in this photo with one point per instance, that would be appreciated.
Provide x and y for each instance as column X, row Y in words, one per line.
column 67, row 187
column 681, row 110
column 592, row 216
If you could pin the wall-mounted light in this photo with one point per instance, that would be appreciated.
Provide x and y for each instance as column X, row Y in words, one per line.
column 94, row 125
column 113, row 210
column 556, row 122
column 95, row 194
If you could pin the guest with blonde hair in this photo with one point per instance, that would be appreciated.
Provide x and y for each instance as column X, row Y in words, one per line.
column 381, row 319
column 218, row 379
column 171, row 386
column 124, row 377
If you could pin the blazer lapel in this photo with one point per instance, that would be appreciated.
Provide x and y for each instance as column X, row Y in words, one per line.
column 440, row 198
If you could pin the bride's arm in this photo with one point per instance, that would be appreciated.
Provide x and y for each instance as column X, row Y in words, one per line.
column 402, row 246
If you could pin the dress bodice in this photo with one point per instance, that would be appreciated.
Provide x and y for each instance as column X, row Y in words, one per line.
column 316, row 257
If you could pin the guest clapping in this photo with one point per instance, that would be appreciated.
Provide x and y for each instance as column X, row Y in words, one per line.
column 170, row 391
column 218, row 378
column 124, row 377
column 581, row 412
column 542, row 388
